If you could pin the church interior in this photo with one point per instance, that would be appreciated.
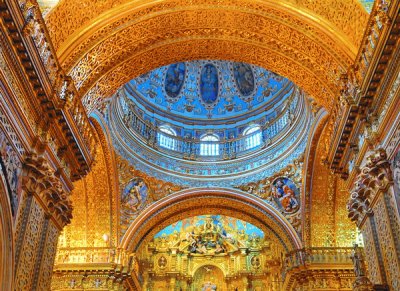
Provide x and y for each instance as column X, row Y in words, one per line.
column 229, row 145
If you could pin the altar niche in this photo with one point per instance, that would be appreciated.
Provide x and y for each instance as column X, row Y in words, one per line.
column 209, row 278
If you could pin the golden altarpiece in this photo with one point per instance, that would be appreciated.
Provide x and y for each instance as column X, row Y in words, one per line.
column 199, row 145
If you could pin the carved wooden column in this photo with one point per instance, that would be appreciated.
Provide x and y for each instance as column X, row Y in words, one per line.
column 44, row 210
column 372, row 206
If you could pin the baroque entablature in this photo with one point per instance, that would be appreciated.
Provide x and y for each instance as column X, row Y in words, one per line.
column 130, row 40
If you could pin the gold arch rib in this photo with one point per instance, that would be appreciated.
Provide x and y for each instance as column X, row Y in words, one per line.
column 135, row 37
column 200, row 201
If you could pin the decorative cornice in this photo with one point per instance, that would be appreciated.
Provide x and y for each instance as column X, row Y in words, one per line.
column 53, row 92
column 363, row 85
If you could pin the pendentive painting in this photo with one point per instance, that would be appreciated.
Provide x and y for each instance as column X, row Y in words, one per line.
column 134, row 194
column 286, row 194
column 174, row 79
column 209, row 84
column 396, row 177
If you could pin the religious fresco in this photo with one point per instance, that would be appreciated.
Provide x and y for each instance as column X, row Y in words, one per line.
column 368, row 4
column 286, row 194
column 209, row 235
column 174, row 79
column 209, row 84
column 282, row 191
column 134, row 194
column 138, row 190
column 244, row 78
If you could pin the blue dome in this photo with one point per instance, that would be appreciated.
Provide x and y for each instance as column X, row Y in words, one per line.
column 217, row 92
column 210, row 123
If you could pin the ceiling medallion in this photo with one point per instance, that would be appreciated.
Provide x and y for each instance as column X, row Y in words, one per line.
column 174, row 79
column 244, row 78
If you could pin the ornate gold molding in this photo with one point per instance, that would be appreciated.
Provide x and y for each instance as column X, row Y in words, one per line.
column 361, row 283
column 318, row 269
column 69, row 16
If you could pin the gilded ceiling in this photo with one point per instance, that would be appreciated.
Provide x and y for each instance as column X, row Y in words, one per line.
column 105, row 44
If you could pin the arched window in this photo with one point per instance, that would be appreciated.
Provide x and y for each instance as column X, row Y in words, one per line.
column 252, row 135
column 165, row 137
column 209, row 145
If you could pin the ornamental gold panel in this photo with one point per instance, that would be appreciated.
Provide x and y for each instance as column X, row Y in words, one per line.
column 330, row 225
column 95, row 205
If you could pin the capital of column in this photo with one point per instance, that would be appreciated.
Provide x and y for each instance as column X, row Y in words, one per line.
column 38, row 179
column 375, row 176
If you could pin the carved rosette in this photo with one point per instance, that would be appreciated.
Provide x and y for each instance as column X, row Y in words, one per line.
column 40, row 180
column 375, row 176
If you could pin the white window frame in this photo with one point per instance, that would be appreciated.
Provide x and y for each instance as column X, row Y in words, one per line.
column 252, row 137
column 209, row 149
column 165, row 137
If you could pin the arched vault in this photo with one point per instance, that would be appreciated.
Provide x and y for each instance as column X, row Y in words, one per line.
column 200, row 201
column 104, row 44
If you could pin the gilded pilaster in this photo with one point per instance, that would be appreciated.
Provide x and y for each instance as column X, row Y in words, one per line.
column 45, row 212
column 372, row 206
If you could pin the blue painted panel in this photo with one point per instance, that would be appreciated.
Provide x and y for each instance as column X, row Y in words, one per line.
column 244, row 78
column 209, row 84
column 174, row 79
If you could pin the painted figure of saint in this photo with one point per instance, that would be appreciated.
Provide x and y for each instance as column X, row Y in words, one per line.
column 136, row 192
column 244, row 78
column 209, row 84
column 283, row 190
column 174, row 79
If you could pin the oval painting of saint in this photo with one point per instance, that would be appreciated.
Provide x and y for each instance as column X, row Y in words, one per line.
column 134, row 194
column 209, row 84
column 244, row 78
column 286, row 194
column 174, row 79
